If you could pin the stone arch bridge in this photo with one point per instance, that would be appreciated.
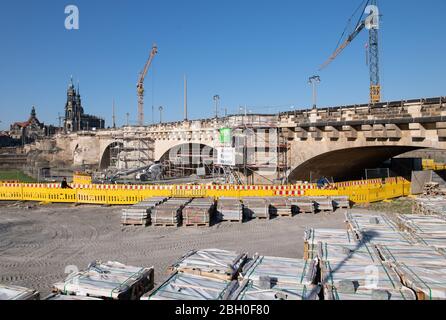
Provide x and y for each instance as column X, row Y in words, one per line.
column 336, row 142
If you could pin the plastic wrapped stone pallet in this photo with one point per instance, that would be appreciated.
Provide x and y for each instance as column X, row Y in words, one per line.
column 212, row 263
column 198, row 212
column 428, row 230
column 10, row 292
column 428, row 283
column 169, row 213
column 343, row 274
column 430, row 206
column 369, row 294
column 256, row 208
column 70, row 298
column 280, row 207
column 109, row 280
column 183, row 286
column 361, row 253
column 377, row 229
column 230, row 209
column 324, row 204
column 413, row 255
column 279, row 271
column 312, row 237
column 248, row 291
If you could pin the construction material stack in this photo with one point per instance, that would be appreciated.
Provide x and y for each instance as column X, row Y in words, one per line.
column 303, row 205
column 109, row 280
column 169, row 213
column 10, row 292
column 199, row 212
column 256, row 208
column 275, row 278
column 281, row 207
column 139, row 214
column 230, row 209
column 430, row 206
column 209, row 274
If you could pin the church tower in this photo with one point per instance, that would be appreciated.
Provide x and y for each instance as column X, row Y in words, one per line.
column 73, row 110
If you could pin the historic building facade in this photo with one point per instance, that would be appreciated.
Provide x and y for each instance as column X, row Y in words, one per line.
column 75, row 118
column 30, row 130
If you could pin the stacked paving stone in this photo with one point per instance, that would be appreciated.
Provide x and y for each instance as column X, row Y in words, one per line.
column 281, row 206
column 199, row 212
column 230, row 209
column 10, row 292
column 256, row 208
column 139, row 214
column 169, row 213
column 430, row 206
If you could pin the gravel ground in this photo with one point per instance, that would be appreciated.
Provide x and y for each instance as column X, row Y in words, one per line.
column 40, row 243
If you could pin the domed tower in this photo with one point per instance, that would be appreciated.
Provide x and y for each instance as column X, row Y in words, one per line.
column 73, row 111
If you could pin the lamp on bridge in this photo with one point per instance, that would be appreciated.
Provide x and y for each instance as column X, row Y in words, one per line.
column 314, row 80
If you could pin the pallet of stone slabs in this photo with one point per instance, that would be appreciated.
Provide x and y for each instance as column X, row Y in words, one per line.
column 249, row 291
column 279, row 271
column 303, row 205
column 359, row 253
column 10, row 292
column 341, row 202
column 230, row 210
column 312, row 237
column 58, row 296
column 166, row 216
column 135, row 222
column 332, row 293
column 343, row 274
column 428, row 283
column 196, row 215
column 413, row 255
column 418, row 224
column 109, row 280
column 256, row 208
column 212, row 263
column 183, row 286
column 281, row 207
column 324, row 204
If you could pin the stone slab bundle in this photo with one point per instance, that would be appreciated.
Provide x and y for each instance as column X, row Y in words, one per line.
column 360, row 253
column 268, row 271
column 303, row 205
column 377, row 229
column 370, row 294
column 109, row 280
column 184, row 286
column 430, row 206
column 413, row 255
column 10, row 292
column 57, row 296
column 280, row 207
column 428, row 283
column 428, row 230
column 348, row 277
column 230, row 209
column 250, row 291
column 169, row 213
column 139, row 214
column 341, row 202
column 198, row 212
column 324, row 204
column 212, row 263
column 312, row 238
column 256, row 208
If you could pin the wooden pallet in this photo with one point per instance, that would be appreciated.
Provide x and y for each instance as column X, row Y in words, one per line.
column 134, row 224
column 207, row 274
column 166, row 224
column 206, row 224
column 262, row 218
column 285, row 215
column 232, row 220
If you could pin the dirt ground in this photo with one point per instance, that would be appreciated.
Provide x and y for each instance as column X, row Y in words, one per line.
column 39, row 244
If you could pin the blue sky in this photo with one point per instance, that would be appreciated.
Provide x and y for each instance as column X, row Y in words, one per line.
column 257, row 53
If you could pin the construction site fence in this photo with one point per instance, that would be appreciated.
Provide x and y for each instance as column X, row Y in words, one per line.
column 364, row 191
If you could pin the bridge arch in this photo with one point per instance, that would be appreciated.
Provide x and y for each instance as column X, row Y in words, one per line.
column 187, row 157
column 107, row 156
column 344, row 164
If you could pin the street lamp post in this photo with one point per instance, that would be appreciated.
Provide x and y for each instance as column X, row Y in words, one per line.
column 314, row 80
column 161, row 113
column 217, row 100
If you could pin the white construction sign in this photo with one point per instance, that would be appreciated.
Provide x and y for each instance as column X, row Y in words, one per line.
column 226, row 156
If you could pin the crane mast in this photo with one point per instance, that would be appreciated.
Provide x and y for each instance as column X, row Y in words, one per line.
column 372, row 24
column 140, row 85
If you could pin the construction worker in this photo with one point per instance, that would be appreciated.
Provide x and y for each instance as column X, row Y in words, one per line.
column 64, row 184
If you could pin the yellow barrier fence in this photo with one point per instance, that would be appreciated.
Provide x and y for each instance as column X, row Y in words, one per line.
column 366, row 191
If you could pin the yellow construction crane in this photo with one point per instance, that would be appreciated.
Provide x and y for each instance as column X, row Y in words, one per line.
column 370, row 22
column 140, row 85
